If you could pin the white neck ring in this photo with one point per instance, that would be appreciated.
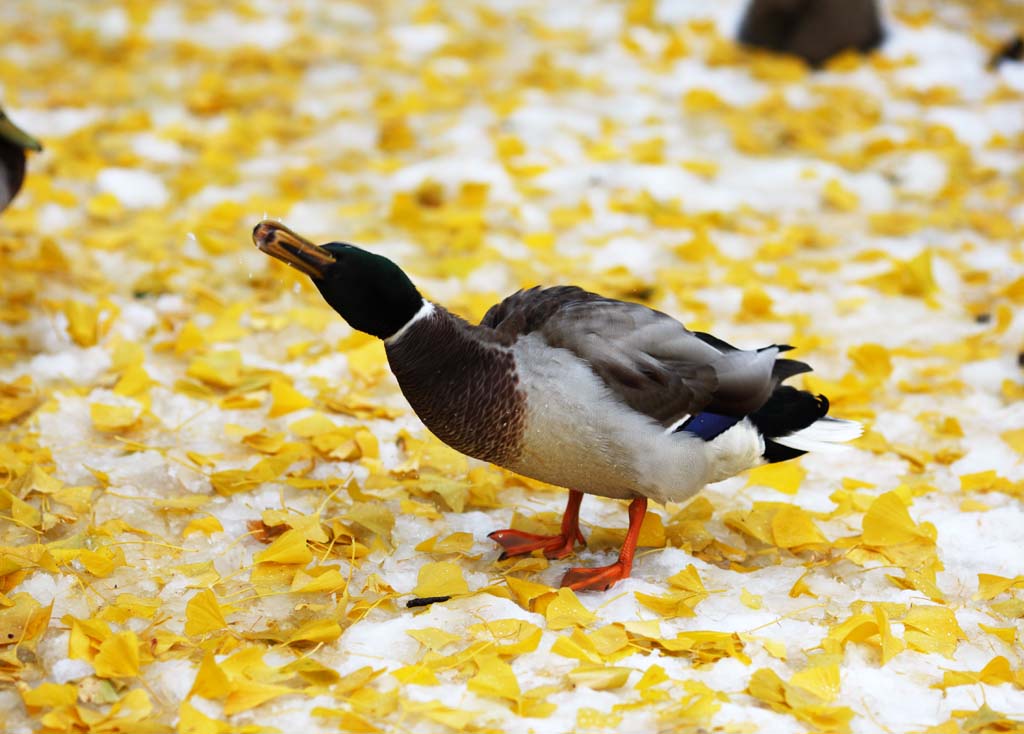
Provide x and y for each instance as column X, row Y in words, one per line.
column 425, row 310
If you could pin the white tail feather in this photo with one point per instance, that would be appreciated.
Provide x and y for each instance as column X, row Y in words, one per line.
column 823, row 435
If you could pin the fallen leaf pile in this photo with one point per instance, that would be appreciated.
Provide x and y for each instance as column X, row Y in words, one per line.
column 215, row 505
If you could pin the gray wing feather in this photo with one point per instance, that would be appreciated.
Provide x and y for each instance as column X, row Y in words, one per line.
column 647, row 359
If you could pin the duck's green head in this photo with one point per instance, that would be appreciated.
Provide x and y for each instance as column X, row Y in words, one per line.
column 369, row 291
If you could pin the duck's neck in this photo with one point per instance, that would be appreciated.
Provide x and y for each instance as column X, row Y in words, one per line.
column 425, row 311
column 461, row 382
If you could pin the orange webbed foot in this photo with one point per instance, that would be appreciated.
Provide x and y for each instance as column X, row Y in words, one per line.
column 518, row 543
column 595, row 579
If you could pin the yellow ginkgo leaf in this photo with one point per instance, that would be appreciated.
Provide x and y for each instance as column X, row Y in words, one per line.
column 856, row 628
column 22, row 618
column 264, row 442
column 766, row 686
column 114, row 418
column 990, row 586
column 981, row 481
column 217, row 369
column 368, row 362
column 190, row 339
column 793, row 528
column 317, row 630
column 514, row 636
column 102, row 562
column 442, row 578
column 118, row 656
column 133, row 381
column 1006, row 634
column 578, row 647
column 688, row 580
column 1015, row 438
column 86, row 636
column 50, row 695
column 494, row 678
column 37, row 480
column 418, row 675
column 460, row 543
column 286, row 399
column 838, row 197
column 374, row 516
column 192, row 721
column 785, row 477
column 433, row 638
column 755, row 304
column 22, row 512
column 457, row 719
column 890, row 644
column 248, row 694
column 652, row 532
column 128, row 606
column 887, row 522
column 211, row 681
column 323, row 580
column 932, row 629
column 203, row 614
column 17, row 398
column 653, row 676
column 226, row 326
column 83, row 322
column 871, row 360
column 820, row 677
column 206, row 525
column 527, row 592
column 672, row 605
column 750, row 600
column 995, row 672
column 600, row 677
column 290, row 547
column 610, row 640
column 130, row 712
column 565, row 610
column 312, row 425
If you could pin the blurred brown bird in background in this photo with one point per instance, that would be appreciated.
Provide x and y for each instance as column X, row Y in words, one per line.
column 1012, row 50
column 814, row 30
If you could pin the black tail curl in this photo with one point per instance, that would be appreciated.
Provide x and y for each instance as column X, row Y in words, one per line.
column 787, row 411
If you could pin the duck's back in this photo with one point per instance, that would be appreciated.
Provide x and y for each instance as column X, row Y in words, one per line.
column 645, row 358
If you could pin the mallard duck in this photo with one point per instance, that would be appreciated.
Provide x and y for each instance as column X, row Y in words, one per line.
column 565, row 386
column 814, row 30
column 13, row 143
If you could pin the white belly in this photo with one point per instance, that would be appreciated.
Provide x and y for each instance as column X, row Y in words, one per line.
column 578, row 435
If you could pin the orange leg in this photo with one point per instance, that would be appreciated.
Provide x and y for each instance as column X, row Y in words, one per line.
column 517, row 543
column 599, row 579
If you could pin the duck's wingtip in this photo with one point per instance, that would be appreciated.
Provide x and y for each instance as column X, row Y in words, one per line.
column 825, row 434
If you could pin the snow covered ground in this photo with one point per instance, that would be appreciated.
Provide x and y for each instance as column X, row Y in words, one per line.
column 217, row 503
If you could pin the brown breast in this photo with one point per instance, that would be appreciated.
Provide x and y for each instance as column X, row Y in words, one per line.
column 462, row 383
